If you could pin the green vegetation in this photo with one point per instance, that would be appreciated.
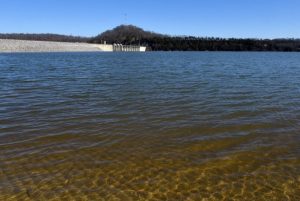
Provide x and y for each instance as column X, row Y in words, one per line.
column 132, row 35
column 44, row 37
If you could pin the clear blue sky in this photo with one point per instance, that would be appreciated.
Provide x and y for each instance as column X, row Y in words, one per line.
column 218, row 18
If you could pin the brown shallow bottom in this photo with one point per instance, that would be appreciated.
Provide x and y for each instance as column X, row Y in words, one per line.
column 134, row 169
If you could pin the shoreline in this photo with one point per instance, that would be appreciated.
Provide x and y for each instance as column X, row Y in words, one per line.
column 33, row 46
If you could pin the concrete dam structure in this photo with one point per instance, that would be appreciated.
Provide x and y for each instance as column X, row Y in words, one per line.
column 121, row 48
column 128, row 48
column 9, row 45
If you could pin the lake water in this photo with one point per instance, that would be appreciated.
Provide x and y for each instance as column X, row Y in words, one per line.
column 150, row 126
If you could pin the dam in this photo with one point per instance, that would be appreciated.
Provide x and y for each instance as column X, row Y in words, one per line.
column 11, row 45
column 121, row 48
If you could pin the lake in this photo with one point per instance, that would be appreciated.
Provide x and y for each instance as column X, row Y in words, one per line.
column 150, row 126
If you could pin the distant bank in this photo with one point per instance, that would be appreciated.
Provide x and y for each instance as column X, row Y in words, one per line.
column 132, row 35
column 10, row 45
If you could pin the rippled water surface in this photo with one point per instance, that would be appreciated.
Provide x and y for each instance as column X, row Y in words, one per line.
column 150, row 126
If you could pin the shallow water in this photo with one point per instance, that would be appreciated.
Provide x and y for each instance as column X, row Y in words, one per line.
column 150, row 126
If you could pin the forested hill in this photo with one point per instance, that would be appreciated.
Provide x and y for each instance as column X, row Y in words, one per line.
column 132, row 35
column 136, row 36
column 126, row 34
column 45, row 37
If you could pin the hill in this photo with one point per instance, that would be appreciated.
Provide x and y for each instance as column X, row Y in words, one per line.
column 132, row 35
column 125, row 34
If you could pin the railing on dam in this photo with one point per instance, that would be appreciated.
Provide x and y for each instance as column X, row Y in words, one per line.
column 127, row 48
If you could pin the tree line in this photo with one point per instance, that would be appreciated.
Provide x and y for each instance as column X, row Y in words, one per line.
column 44, row 37
column 132, row 35
column 219, row 44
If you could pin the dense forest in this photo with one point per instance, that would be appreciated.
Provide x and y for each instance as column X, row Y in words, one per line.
column 132, row 35
column 220, row 44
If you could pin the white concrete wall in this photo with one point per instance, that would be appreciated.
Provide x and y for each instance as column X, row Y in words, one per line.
column 104, row 47
column 7, row 45
column 142, row 49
